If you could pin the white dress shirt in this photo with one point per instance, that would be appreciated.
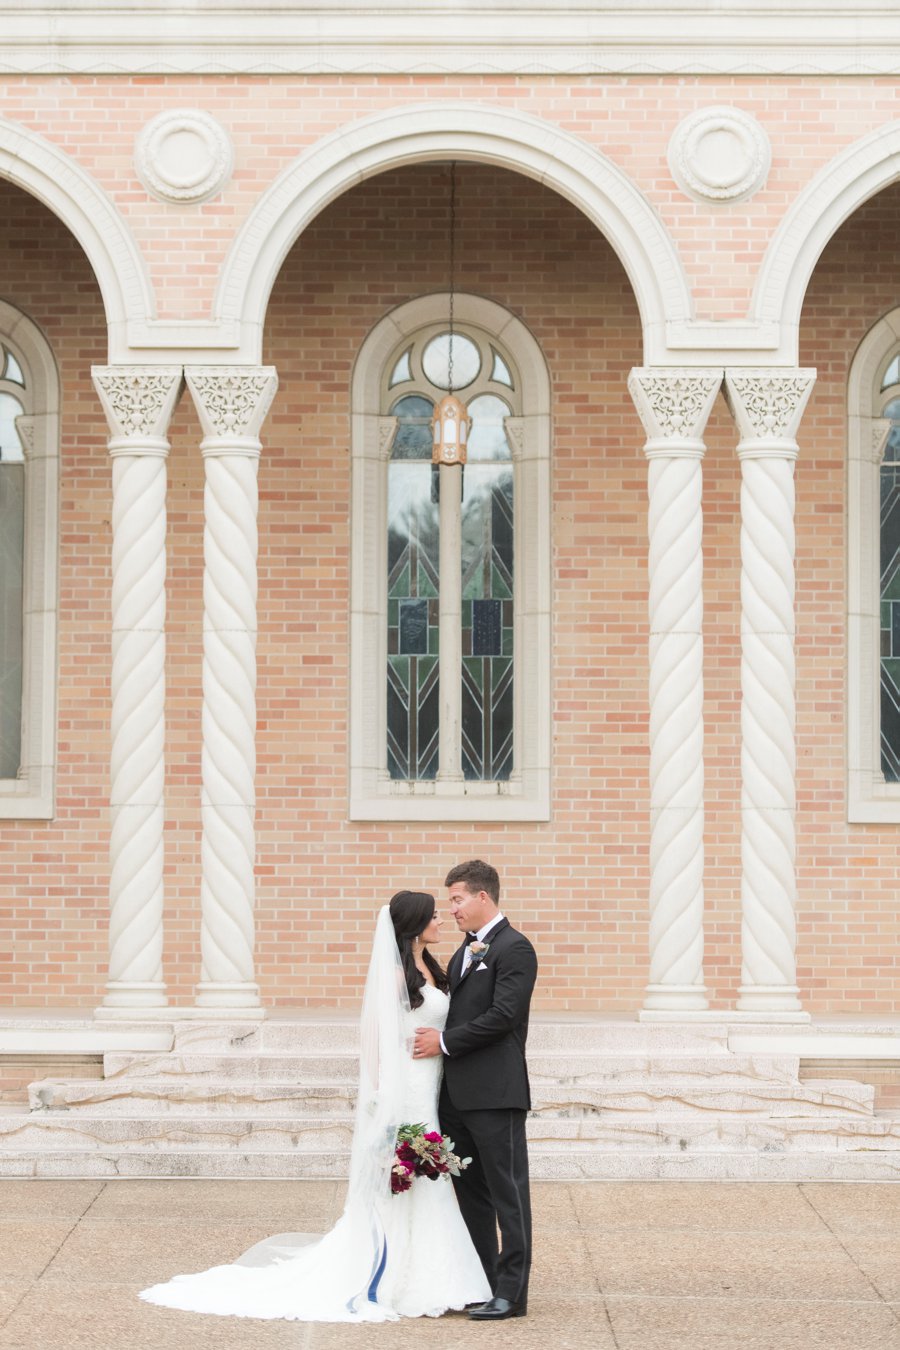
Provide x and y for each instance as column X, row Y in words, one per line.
column 467, row 955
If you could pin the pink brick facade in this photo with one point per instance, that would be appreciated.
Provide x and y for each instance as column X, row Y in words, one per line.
column 577, row 883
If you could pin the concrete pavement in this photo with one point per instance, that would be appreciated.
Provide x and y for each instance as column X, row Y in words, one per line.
column 618, row 1266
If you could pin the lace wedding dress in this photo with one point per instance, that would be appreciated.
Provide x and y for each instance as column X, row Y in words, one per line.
column 388, row 1256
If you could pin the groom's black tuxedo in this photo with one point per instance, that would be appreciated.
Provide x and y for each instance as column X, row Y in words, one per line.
column 488, row 1023
column 484, row 1099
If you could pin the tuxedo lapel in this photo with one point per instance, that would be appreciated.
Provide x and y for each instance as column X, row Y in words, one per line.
column 457, row 974
column 454, row 969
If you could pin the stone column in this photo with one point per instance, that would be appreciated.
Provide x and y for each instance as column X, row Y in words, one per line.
column 767, row 406
column 138, row 402
column 674, row 406
column 232, row 403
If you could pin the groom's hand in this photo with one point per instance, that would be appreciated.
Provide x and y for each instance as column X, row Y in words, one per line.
column 427, row 1044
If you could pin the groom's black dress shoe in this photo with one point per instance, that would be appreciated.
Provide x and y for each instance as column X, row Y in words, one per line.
column 496, row 1309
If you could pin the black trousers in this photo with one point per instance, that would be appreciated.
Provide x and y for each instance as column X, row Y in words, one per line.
column 493, row 1192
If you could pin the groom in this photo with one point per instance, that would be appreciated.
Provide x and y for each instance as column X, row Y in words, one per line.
column 485, row 1096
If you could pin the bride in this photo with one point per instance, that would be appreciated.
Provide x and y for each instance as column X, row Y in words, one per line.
column 389, row 1255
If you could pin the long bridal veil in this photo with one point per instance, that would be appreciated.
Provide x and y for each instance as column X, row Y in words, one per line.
column 335, row 1277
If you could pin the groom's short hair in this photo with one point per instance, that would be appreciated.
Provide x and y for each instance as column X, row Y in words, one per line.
column 477, row 876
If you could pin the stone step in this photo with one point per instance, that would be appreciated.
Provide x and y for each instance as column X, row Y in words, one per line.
column 313, row 1135
column 587, row 1070
column 571, row 1164
column 154, row 1097
column 679, row 1097
column 563, row 1069
column 309, row 1036
column 91, row 1132
column 722, row 1131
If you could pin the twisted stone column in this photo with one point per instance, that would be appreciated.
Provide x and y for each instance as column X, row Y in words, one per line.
column 767, row 406
column 138, row 402
column 674, row 406
column 232, row 403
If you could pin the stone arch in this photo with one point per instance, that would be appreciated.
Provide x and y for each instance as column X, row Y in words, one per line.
column 837, row 190
column 44, row 171
column 466, row 132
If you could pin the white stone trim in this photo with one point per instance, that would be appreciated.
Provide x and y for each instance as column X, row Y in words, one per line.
column 830, row 198
column 461, row 131
column 57, row 180
column 207, row 37
column 869, row 797
column 31, row 795
column 372, row 794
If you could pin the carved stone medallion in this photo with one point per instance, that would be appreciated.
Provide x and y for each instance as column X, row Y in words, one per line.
column 183, row 156
column 719, row 155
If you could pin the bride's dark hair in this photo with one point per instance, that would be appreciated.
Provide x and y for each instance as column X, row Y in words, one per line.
column 411, row 913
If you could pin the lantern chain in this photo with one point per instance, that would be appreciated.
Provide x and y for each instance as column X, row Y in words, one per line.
column 452, row 268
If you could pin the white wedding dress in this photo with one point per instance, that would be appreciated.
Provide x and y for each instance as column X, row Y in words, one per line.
column 424, row 1261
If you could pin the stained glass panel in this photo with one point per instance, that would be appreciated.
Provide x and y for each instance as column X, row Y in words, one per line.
column 444, row 349
column 890, row 602
column 414, row 435
column 10, row 442
column 12, row 532
column 413, row 676
column 13, row 371
column 501, row 372
column 401, row 371
column 487, row 439
column 487, row 621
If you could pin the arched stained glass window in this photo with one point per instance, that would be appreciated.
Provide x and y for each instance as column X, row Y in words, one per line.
column 484, row 702
column 413, row 564
column 487, row 595
column 29, row 513
column 450, row 635
column 889, row 597
column 12, row 561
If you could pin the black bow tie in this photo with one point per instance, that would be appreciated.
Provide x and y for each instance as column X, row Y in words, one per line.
column 472, row 937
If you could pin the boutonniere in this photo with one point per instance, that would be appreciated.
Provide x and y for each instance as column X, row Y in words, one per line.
column 478, row 951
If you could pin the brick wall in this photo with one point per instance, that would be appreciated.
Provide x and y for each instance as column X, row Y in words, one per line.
column 577, row 884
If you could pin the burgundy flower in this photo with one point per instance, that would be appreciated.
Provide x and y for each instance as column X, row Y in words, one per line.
column 423, row 1153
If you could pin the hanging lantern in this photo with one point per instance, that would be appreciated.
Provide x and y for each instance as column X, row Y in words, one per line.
column 451, row 431
column 451, row 423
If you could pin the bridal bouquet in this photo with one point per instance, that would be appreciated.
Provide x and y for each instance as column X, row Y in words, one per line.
column 423, row 1153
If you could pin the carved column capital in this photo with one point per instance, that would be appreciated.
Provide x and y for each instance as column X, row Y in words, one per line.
column 515, row 437
column 767, row 406
column 25, row 428
column 387, row 429
column 674, row 406
column 138, row 402
column 880, row 430
column 232, row 403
